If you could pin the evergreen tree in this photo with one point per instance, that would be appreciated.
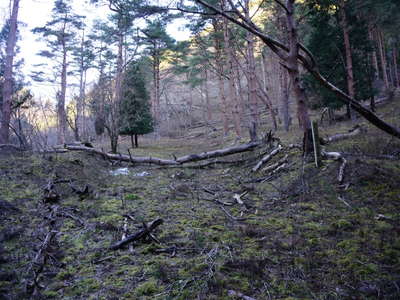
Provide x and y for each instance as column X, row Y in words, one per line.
column 135, row 116
column 157, row 42
column 326, row 42
column 59, row 34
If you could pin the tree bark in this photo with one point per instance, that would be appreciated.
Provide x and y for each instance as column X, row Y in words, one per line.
column 285, row 99
column 373, row 53
column 382, row 55
column 349, row 60
column 395, row 69
column 79, row 104
column 231, row 80
column 251, row 69
column 62, row 117
column 294, row 74
column 207, row 96
column 8, row 75
column 220, row 70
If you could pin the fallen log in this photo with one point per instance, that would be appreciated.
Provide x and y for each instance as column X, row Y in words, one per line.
column 138, row 235
column 356, row 130
column 339, row 157
column 267, row 158
column 168, row 162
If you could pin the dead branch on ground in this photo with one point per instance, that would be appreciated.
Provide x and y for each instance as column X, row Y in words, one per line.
column 233, row 293
column 339, row 157
column 267, row 158
column 356, row 130
column 168, row 162
column 146, row 231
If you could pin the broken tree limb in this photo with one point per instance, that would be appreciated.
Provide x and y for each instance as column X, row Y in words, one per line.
column 168, row 162
column 356, row 130
column 316, row 143
column 217, row 153
column 138, row 235
column 267, row 158
column 272, row 167
column 233, row 293
column 339, row 157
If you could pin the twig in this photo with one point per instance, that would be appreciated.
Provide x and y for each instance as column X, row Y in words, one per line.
column 230, row 216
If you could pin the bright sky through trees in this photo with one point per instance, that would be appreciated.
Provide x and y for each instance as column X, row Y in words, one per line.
column 35, row 13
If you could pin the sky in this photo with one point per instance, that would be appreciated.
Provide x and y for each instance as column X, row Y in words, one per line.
column 35, row 13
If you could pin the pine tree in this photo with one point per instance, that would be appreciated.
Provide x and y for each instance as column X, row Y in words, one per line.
column 135, row 116
column 157, row 42
column 59, row 34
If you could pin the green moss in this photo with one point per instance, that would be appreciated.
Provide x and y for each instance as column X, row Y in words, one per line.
column 131, row 197
column 147, row 288
column 113, row 219
column 50, row 294
column 88, row 285
column 343, row 224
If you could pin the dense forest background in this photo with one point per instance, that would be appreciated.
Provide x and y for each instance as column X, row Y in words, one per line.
column 224, row 77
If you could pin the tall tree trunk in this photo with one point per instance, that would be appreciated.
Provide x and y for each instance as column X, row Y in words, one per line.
column 252, row 83
column 382, row 56
column 347, row 47
column 79, row 104
column 396, row 70
column 207, row 96
column 294, row 74
column 373, row 53
column 228, row 47
column 114, row 117
column 8, row 75
column 220, row 71
column 285, row 114
column 62, row 117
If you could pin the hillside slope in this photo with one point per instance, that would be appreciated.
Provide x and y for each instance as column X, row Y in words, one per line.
column 298, row 234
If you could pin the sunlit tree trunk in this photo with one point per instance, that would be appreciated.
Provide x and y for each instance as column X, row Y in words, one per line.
column 8, row 75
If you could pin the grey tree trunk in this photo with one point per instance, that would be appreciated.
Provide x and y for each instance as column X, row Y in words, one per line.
column 61, row 115
column 220, row 70
column 382, row 56
column 294, row 74
column 234, row 102
column 349, row 59
column 8, row 75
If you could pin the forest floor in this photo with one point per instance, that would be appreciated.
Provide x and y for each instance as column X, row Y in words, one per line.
column 299, row 234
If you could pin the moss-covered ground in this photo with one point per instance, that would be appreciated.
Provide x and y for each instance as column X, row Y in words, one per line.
column 300, row 234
